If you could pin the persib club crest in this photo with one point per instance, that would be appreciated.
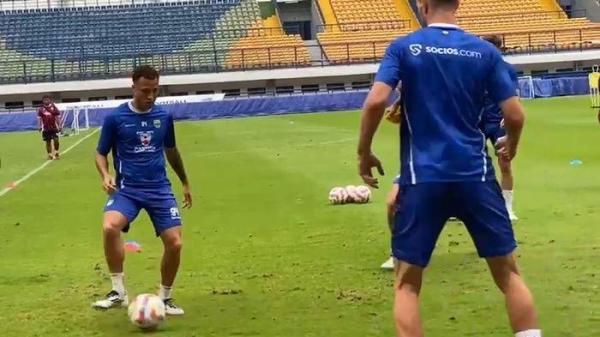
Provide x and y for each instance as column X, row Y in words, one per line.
column 145, row 138
column 157, row 123
column 146, row 142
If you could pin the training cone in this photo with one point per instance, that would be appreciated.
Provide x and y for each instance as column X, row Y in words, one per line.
column 132, row 246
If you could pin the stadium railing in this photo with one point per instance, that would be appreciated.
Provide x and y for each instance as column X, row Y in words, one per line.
column 574, row 13
column 16, row 5
column 364, row 26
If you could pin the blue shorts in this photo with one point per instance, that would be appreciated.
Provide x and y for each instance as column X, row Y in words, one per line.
column 160, row 205
column 494, row 131
column 423, row 209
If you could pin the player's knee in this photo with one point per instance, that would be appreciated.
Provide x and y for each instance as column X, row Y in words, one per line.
column 174, row 244
column 111, row 228
column 409, row 278
column 504, row 271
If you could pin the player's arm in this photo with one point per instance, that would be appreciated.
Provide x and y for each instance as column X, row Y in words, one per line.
column 39, row 120
column 503, row 90
column 58, row 118
column 514, row 121
column 388, row 77
column 174, row 158
column 105, row 144
column 393, row 113
column 373, row 110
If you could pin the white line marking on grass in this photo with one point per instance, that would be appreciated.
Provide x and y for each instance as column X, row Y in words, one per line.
column 209, row 154
column 46, row 163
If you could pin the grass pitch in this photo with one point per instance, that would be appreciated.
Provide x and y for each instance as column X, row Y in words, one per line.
column 265, row 255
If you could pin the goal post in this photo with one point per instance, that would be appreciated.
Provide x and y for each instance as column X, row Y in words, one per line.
column 74, row 120
column 526, row 87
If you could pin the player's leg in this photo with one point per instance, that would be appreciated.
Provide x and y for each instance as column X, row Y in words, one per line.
column 165, row 216
column 422, row 211
column 391, row 211
column 169, row 266
column 519, row 300
column 56, row 146
column 486, row 218
column 120, row 210
column 507, row 184
column 407, row 316
column 48, row 141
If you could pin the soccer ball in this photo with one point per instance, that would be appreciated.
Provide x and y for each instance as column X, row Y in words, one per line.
column 338, row 196
column 352, row 193
column 363, row 194
column 147, row 311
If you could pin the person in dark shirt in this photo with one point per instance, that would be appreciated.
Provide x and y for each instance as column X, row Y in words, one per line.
column 48, row 117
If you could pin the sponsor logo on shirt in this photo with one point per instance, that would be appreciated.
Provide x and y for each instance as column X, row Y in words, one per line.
column 146, row 142
column 417, row 49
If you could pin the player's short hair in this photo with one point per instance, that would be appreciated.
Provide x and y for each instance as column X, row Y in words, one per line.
column 444, row 3
column 496, row 40
column 46, row 96
column 144, row 71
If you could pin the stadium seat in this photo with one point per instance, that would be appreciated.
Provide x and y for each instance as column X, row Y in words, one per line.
column 176, row 36
column 527, row 25
column 363, row 29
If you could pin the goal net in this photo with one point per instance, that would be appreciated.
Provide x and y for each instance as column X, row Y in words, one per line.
column 526, row 88
column 594, row 78
column 74, row 120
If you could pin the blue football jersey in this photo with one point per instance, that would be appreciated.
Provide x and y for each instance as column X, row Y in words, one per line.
column 445, row 74
column 492, row 114
column 137, row 141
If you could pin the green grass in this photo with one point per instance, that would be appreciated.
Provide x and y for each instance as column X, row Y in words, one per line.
column 262, row 229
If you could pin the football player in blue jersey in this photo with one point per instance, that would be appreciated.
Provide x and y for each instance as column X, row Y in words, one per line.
column 492, row 125
column 140, row 135
column 446, row 172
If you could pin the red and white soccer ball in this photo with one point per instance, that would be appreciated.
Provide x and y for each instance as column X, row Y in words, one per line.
column 363, row 194
column 147, row 311
column 350, row 194
column 338, row 196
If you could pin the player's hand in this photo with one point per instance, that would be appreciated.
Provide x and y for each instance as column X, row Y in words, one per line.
column 187, row 196
column 366, row 163
column 392, row 115
column 504, row 150
column 108, row 184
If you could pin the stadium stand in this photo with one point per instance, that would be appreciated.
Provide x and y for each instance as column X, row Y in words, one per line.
column 528, row 24
column 357, row 30
column 281, row 49
column 80, row 41
column 85, row 42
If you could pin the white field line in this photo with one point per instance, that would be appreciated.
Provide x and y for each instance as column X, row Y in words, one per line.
column 41, row 167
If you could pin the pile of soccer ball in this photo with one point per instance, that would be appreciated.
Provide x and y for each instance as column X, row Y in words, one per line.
column 350, row 194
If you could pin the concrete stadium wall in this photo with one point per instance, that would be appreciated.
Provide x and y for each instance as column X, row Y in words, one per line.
column 268, row 79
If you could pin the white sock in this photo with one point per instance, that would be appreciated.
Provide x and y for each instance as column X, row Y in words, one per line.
column 117, row 283
column 164, row 292
column 529, row 333
column 508, row 199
